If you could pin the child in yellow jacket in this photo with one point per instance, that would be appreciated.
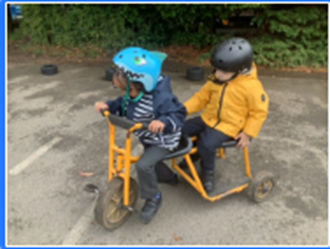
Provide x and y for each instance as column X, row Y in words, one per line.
column 234, row 105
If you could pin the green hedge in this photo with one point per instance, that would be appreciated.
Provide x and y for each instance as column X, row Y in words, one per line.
column 296, row 37
column 291, row 36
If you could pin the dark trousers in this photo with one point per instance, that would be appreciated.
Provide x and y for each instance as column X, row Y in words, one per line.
column 208, row 141
column 146, row 172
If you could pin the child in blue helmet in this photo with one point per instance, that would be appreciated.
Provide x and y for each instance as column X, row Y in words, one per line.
column 149, row 99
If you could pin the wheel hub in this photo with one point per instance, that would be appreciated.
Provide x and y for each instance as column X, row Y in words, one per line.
column 265, row 188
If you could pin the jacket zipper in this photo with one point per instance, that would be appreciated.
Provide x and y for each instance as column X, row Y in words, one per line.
column 220, row 104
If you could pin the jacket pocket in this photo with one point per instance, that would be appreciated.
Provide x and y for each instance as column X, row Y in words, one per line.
column 234, row 118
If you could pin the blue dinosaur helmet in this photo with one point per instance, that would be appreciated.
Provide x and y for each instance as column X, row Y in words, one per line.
column 141, row 65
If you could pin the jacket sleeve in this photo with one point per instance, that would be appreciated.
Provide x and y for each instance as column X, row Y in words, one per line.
column 258, row 103
column 200, row 99
column 115, row 106
column 171, row 112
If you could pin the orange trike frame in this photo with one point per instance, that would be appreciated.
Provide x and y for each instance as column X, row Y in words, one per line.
column 125, row 160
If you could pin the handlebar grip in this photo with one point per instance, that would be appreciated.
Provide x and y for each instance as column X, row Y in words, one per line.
column 105, row 112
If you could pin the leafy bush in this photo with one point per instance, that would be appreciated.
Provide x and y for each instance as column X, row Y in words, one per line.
column 120, row 25
column 293, row 36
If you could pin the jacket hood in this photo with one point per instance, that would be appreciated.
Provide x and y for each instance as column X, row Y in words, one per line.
column 163, row 85
column 250, row 75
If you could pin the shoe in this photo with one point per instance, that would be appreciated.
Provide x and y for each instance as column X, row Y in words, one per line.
column 207, row 178
column 150, row 208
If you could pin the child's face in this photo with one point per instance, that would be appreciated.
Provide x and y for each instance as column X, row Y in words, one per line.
column 222, row 75
column 120, row 81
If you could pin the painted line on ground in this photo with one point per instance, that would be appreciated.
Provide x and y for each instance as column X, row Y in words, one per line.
column 76, row 232
column 18, row 79
column 38, row 153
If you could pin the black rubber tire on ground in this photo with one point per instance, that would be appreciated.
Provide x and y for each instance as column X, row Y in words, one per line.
column 109, row 211
column 49, row 69
column 195, row 73
column 261, row 186
column 109, row 74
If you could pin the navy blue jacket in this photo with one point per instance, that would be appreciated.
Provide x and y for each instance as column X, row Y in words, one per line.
column 166, row 106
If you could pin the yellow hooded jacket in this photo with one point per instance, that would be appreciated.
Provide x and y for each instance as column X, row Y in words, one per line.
column 238, row 105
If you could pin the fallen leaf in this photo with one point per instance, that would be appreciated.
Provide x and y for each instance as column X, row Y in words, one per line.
column 86, row 174
column 176, row 238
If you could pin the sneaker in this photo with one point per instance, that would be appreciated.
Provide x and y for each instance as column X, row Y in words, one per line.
column 207, row 178
column 150, row 208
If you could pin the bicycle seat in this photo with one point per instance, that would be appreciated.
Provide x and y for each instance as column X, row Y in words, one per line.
column 230, row 143
column 184, row 147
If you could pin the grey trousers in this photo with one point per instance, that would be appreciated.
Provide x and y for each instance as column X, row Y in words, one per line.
column 146, row 172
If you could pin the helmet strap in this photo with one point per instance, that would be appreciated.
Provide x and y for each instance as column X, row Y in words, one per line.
column 127, row 98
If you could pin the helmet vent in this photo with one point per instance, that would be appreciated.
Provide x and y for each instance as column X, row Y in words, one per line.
column 220, row 61
column 120, row 56
column 144, row 56
column 230, row 49
column 234, row 42
column 239, row 47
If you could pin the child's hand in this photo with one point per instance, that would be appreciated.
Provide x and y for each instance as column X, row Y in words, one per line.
column 156, row 126
column 244, row 140
column 101, row 106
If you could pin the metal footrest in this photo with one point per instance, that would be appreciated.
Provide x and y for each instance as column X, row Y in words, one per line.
column 223, row 185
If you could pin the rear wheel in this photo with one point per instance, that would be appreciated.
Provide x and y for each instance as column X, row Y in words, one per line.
column 261, row 187
column 110, row 211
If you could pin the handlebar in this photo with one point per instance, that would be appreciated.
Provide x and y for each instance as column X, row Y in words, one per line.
column 124, row 122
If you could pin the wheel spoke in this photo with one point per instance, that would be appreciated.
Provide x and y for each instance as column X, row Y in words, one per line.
column 116, row 213
column 117, row 198
column 110, row 211
column 116, row 210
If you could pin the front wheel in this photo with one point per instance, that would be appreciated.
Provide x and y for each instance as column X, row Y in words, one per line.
column 109, row 210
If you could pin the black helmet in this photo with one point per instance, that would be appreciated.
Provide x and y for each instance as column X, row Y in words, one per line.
column 233, row 55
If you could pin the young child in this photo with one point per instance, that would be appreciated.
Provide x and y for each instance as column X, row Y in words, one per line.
column 148, row 98
column 234, row 102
